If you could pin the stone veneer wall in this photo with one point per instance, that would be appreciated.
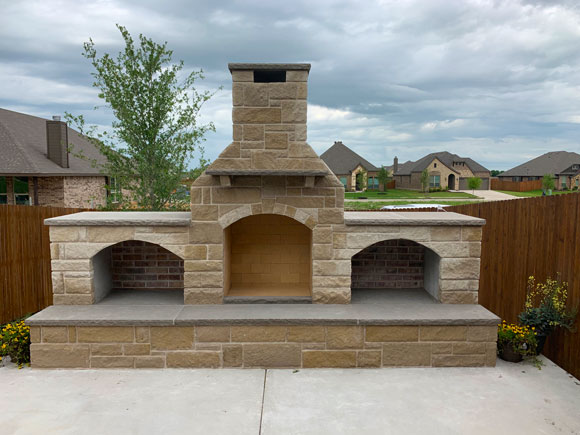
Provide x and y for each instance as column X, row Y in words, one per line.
column 389, row 264
column 140, row 265
column 262, row 346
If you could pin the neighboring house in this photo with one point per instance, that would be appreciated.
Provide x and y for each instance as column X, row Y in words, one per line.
column 346, row 164
column 445, row 170
column 37, row 167
column 564, row 166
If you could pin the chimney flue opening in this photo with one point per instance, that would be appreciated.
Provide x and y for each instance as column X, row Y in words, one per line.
column 266, row 76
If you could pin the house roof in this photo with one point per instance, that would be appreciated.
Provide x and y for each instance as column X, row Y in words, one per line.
column 555, row 162
column 342, row 160
column 23, row 148
column 444, row 157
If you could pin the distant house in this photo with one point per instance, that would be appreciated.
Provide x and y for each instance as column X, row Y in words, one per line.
column 346, row 164
column 445, row 170
column 37, row 167
column 564, row 166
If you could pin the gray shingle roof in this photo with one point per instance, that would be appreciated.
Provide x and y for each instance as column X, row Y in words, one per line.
column 554, row 163
column 342, row 160
column 445, row 157
column 23, row 148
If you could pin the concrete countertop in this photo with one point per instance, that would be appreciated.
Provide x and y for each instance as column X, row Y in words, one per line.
column 123, row 218
column 414, row 218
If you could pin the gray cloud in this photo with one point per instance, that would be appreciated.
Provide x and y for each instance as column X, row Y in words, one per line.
column 496, row 81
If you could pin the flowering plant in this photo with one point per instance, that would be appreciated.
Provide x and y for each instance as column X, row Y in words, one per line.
column 545, row 307
column 15, row 342
column 521, row 338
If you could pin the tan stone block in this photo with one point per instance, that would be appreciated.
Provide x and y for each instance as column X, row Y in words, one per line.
column 59, row 355
column 215, row 252
column 392, row 333
column 55, row 251
column 293, row 111
column 202, row 232
column 105, row 334
column 442, row 333
column 445, row 233
column 237, row 195
column 322, row 252
column 233, row 151
column 54, row 334
column 212, row 334
column 256, row 95
column 193, row 359
column 212, row 279
column 232, row 355
column 467, row 348
column 296, row 76
column 306, row 334
column 195, row 195
column 331, row 295
column 149, row 362
column 253, row 132
column 72, row 334
column 344, row 337
column 106, row 349
column 243, row 76
column 331, row 281
column 142, row 334
column 459, row 284
column 471, row 234
column 300, row 132
column 106, row 362
column 137, row 349
column 283, row 91
column 258, row 333
column 203, row 266
column 208, row 346
column 458, row 297
column 339, row 241
column 491, row 354
column 203, row 296
column 204, row 212
column 441, row 348
column 331, row 216
column 368, row 358
column 171, row 337
column 406, row 354
column 78, row 285
column 302, row 92
column 276, row 140
column 458, row 360
column 482, row 333
column 322, row 235
column 459, row 268
column 73, row 299
column 35, row 334
column 272, row 355
column 417, row 234
column 65, row 234
column 237, row 134
column 328, row 358
column 57, row 283
column 244, row 115
column 196, row 252
column 475, row 249
column 110, row 234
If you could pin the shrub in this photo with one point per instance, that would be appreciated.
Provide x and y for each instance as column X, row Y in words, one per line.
column 522, row 338
column 15, row 342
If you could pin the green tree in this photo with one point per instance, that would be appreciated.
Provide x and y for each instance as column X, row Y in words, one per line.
column 474, row 183
column 156, row 129
column 547, row 182
column 361, row 179
column 425, row 180
column 383, row 176
column 495, row 172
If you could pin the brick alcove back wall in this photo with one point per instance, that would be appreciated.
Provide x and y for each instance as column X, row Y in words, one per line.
column 389, row 264
column 142, row 265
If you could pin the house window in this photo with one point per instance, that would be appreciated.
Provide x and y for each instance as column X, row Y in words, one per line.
column 434, row 181
column 114, row 190
column 343, row 181
column 3, row 191
column 373, row 183
column 21, row 196
column 434, row 165
column 562, row 181
column 516, row 178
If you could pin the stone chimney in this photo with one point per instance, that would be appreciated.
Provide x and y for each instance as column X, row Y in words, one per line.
column 57, row 141
column 395, row 165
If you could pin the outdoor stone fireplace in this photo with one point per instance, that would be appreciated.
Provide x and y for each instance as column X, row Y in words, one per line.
column 267, row 225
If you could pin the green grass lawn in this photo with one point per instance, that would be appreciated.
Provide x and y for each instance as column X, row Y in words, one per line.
column 536, row 192
column 376, row 205
column 403, row 194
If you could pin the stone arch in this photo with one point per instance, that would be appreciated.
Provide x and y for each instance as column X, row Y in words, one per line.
column 262, row 208
column 365, row 240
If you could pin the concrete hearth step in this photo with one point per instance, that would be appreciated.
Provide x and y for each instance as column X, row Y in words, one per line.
column 267, row 300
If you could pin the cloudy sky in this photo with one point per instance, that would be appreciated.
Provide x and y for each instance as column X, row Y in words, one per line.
column 497, row 81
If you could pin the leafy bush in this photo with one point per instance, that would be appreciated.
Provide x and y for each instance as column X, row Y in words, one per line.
column 15, row 342
column 522, row 338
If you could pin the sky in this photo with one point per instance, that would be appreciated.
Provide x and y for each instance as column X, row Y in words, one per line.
column 497, row 81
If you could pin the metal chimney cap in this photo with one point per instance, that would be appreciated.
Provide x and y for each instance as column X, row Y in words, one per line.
column 56, row 117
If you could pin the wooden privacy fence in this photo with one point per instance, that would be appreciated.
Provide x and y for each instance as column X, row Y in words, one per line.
column 25, row 278
column 532, row 236
column 515, row 186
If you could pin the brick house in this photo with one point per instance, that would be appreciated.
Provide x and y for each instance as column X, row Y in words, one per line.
column 38, row 168
column 445, row 170
column 564, row 166
column 346, row 164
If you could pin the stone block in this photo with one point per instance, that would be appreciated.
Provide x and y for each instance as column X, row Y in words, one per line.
column 59, row 356
column 441, row 348
column 276, row 141
column 142, row 334
column 171, row 337
column 107, row 234
column 293, row 111
column 237, row 135
column 296, row 76
column 243, row 76
column 491, row 355
column 392, row 333
column 339, row 241
column 215, row 252
column 78, row 251
column 203, row 266
column 57, row 282
column 417, row 234
column 445, row 233
column 475, row 249
column 331, row 281
column 109, row 362
column 331, row 295
column 272, row 355
column 105, row 334
column 458, row 360
column 461, row 297
column 459, row 284
column 106, row 349
column 302, row 92
column 482, row 333
column 193, row 359
column 232, row 355
column 300, row 132
column 467, row 348
column 344, row 337
column 78, row 285
column 283, row 91
column 72, row 334
column 328, row 358
column 54, row 334
column 195, row 252
column 137, row 349
column 73, row 299
column 322, row 252
column 442, row 333
column 149, row 362
column 244, row 115
column 238, row 195
column 368, row 358
column 406, row 354
column 212, row 334
column 256, row 95
column 331, row 216
column 202, row 232
column 471, row 234
column 66, row 234
column 204, row 212
column 258, row 333
column 306, row 334
column 253, row 132
column 460, row 268
column 322, row 235
column 35, row 334
column 203, row 296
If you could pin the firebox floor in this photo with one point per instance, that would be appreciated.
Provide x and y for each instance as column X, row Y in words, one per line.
column 143, row 297
column 273, row 290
